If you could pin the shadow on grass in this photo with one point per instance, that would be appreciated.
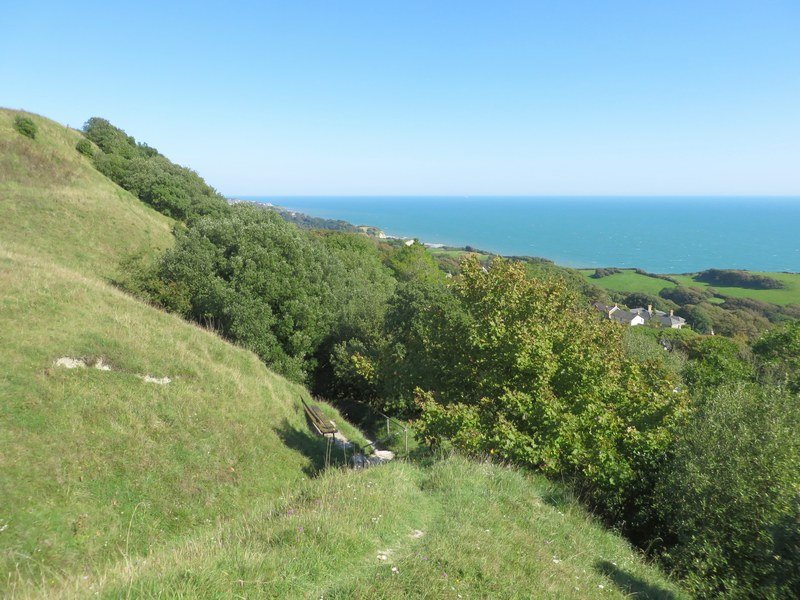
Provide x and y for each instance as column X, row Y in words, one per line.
column 632, row 585
column 310, row 445
column 557, row 497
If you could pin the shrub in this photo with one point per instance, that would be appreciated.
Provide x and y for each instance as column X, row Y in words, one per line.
column 26, row 126
column 517, row 368
column 84, row 146
column 730, row 498
column 736, row 278
column 715, row 360
column 685, row 295
column 173, row 190
column 600, row 273
column 779, row 354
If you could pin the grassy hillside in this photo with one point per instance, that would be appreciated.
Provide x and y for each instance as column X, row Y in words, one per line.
column 98, row 464
column 630, row 281
column 116, row 485
column 54, row 203
column 453, row 530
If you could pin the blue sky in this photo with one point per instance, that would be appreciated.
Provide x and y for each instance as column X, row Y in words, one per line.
column 461, row 98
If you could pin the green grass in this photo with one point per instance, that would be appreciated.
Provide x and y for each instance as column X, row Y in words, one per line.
column 97, row 465
column 630, row 281
column 455, row 529
column 54, row 202
column 787, row 295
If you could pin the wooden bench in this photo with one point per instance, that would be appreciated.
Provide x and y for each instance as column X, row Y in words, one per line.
column 321, row 423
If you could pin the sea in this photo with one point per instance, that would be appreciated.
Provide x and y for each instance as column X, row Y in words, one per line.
column 657, row 234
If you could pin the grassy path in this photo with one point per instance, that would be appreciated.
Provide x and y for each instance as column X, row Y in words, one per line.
column 455, row 529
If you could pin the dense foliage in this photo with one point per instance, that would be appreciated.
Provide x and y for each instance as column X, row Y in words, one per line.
column 779, row 354
column 309, row 222
column 25, row 126
column 730, row 498
column 266, row 285
column 600, row 273
column 502, row 364
column 85, row 147
column 735, row 278
column 686, row 295
column 176, row 191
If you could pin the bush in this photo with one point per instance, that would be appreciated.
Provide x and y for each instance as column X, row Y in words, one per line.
column 600, row 273
column 778, row 352
column 26, row 126
column 263, row 283
column 715, row 360
column 730, row 498
column 85, row 147
column 171, row 189
column 517, row 368
column 736, row 278
column 682, row 295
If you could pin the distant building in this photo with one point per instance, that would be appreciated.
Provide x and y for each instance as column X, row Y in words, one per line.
column 606, row 308
column 671, row 321
column 640, row 316
column 626, row 317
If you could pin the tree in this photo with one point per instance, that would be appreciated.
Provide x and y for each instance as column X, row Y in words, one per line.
column 414, row 262
column 173, row 190
column 259, row 281
column 734, row 529
column 528, row 375
column 778, row 351
column 715, row 360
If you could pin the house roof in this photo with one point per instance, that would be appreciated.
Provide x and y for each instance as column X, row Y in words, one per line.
column 602, row 307
column 624, row 316
column 672, row 320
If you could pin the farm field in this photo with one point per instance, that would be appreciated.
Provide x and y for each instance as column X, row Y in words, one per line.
column 631, row 281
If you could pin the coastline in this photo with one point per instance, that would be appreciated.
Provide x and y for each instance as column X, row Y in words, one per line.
column 324, row 222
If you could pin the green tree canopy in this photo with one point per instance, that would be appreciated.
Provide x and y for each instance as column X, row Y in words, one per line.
column 519, row 368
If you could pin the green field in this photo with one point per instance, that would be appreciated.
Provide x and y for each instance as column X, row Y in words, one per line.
column 209, row 486
column 628, row 281
column 788, row 295
column 631, row 281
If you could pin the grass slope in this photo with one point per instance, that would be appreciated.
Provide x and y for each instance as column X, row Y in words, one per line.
column 97, row 465
column 630, row 281
column 53, row 203
column 452, row 530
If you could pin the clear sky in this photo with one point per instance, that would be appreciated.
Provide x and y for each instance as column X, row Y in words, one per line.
column 429, row 97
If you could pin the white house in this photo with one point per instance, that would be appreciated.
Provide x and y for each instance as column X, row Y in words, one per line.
column 627, row 317
column 640, row 316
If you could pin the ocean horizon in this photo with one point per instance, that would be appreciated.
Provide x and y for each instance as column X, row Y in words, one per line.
column 656, row 233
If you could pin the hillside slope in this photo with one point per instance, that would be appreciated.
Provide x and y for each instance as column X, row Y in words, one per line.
column 116, row 485
column 99, row 463
column 54, row 204
column 455, row 529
